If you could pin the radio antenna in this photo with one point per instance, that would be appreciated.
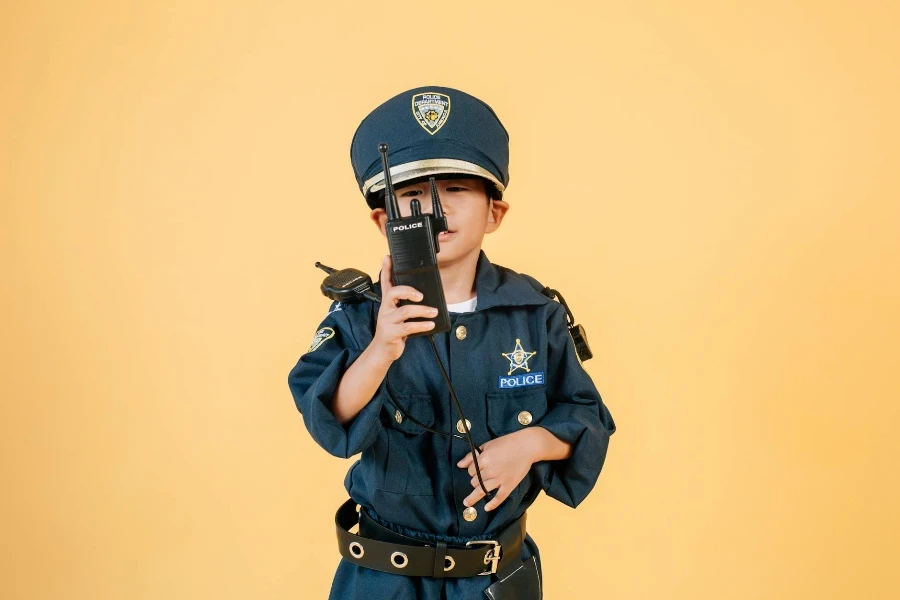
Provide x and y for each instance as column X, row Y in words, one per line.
column 436, row 209
column 390, row 200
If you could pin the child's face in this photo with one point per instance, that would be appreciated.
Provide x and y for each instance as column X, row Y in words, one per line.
column 470, row 214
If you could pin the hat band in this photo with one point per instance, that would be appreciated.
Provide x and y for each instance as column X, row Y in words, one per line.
column 431, row 166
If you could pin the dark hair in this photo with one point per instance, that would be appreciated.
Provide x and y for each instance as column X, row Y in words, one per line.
column 490, row 190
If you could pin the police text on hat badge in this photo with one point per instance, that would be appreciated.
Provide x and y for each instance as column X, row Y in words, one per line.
column 431, row 110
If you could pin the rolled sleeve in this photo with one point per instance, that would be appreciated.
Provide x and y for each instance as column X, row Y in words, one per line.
column 313, row 382
column 576, row 415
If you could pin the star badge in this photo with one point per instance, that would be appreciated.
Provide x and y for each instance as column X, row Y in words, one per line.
column 518, row 358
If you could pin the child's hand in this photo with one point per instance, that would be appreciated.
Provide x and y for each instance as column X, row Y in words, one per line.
column 391, row 330
column 504, row 462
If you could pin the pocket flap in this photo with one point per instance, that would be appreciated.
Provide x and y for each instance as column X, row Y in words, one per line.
column 419, row 406
column 510, row 411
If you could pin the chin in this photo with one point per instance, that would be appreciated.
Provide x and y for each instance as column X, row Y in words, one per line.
column 451, row 253
column 447, row 254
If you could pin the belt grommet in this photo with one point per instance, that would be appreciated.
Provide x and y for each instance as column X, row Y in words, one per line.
column 356, row 547
column 449, row 563
column 399, row 556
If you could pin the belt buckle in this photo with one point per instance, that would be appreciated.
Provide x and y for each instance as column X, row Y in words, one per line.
column 492, row 555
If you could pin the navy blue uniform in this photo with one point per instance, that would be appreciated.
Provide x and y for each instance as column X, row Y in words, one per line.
column 513, row 365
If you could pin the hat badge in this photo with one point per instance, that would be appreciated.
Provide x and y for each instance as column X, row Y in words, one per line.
column 431, row 110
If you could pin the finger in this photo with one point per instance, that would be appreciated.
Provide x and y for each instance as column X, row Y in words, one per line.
column 416, row 327
column 385, row 277
column 467, row 459
column 482, row 461
column 499, row 497
column 402, row 292
column 476, row 495
column 490, row 482
column 411, row 311
column 485, row 470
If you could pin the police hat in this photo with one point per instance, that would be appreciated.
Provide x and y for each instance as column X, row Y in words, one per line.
column 430, row 131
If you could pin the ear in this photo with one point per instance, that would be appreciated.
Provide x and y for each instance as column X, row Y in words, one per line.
column 379, row 217
column 496, row 212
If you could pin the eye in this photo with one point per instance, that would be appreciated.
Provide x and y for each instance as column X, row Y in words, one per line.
column 411, row 193
column 456, row 188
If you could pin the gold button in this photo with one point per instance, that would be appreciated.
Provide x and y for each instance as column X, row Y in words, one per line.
column 398, row 416
column 459, row 426
column 461, row 332
column 524, row 417
column 470, row 513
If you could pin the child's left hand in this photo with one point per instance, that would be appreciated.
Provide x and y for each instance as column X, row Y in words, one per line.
column 504, row 462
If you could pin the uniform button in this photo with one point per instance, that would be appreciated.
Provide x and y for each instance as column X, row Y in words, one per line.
column 470, row 513
column 398, row 416
column 459, row 426
column 524, row 417
column 461, row 332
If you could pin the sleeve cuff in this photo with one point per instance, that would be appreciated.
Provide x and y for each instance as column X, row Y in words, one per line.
column 341, row 440
column 570, row 480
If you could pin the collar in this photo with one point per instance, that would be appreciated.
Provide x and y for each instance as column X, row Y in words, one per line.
column 496, row 285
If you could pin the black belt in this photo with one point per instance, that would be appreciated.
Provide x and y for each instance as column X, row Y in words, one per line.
column 377, row 547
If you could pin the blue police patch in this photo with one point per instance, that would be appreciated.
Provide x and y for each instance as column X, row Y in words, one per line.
column 431, row 110
column 522, row 380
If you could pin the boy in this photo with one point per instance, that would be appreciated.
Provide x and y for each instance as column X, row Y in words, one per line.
column 365, row 387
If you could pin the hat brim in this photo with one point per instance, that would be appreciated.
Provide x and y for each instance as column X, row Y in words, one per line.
column 426, row 168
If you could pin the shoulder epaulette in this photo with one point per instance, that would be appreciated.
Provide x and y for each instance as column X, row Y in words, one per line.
column 538, row 286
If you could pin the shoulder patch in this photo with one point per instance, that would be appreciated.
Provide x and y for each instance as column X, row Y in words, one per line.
column 321, row 336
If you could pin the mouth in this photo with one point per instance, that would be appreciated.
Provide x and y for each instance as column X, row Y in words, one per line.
column 446, row 235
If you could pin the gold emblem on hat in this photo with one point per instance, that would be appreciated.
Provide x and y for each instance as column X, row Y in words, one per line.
column 431, row 110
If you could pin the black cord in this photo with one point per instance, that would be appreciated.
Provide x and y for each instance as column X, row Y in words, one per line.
column 468, row 436
column 570, row 318
column 461, row 416
column 369, row 294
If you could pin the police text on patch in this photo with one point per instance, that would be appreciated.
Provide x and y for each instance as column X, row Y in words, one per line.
column 513, row 381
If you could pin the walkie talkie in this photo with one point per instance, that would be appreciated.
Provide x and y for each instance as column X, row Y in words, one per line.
column 413, row 245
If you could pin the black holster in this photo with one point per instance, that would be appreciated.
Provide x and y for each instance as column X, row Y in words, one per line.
column 523, row 583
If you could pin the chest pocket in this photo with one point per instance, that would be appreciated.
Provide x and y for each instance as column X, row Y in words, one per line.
column 513, row 410
column 408, row 456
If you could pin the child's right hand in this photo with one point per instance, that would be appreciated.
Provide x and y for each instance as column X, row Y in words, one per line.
column 391, row 329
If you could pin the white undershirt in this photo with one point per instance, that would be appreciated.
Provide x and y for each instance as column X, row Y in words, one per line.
column 462, row 307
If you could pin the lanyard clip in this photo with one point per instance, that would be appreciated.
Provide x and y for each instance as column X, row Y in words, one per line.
column 579, row 336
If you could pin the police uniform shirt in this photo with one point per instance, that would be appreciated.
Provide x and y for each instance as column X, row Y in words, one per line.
column 513, row 365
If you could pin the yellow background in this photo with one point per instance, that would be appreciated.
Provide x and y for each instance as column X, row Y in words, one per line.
column 712, row 186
